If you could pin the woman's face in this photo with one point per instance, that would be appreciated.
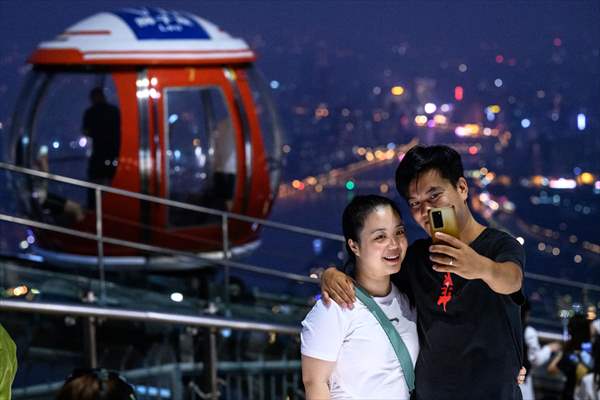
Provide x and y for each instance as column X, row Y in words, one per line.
column 382, row 243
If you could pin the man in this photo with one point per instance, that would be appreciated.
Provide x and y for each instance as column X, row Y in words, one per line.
column 467, row 290
column 102, row 123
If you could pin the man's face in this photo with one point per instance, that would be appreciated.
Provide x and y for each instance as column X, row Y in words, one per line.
column 431, row 190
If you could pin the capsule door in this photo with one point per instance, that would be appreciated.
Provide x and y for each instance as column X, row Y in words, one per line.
column 193, row 143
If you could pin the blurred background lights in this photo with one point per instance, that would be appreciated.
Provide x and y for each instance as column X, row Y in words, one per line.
column 177, row 297
column 397, row 90
column 430, row 108
column 581, row 122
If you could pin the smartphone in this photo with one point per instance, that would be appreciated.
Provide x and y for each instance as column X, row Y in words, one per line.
column 443, row 220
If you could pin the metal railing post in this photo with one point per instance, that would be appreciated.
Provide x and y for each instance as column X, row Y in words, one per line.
column 89, row 333
column 176, row 386
column 212, row 367
column 226, row 269
column 100, row 242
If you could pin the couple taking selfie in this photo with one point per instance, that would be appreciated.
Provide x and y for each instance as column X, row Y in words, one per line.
column 439, row 319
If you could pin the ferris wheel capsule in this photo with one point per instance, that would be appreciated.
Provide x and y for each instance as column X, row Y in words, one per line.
column 151, row 101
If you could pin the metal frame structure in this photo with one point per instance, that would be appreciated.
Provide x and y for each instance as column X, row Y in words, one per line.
column 211, row 323
column 102, row 239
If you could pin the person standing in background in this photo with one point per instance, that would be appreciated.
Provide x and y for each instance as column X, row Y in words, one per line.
column 102, row 124
column 589, row 389
column 534, row 354
column 571, row 361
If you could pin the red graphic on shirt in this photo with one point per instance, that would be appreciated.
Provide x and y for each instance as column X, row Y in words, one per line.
column 447, row 288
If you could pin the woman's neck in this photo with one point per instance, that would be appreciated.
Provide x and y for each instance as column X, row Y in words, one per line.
column 378, row 287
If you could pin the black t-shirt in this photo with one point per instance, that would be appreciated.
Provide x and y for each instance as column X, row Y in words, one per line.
column 568, row 366
column 102, row 122
column 470, row 336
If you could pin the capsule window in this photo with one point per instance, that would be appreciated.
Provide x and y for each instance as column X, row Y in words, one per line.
column 201, row 152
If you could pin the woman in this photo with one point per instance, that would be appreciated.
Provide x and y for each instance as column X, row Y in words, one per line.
column 589, row 389
column 571, row 361
column 535, row 354
column 346, row 353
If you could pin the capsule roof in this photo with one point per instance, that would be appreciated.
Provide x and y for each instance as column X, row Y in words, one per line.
column 143, row 36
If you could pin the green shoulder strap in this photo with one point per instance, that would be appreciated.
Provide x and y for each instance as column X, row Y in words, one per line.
column 392, row 334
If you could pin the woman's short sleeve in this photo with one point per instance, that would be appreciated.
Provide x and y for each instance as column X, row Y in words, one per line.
column 324, row 330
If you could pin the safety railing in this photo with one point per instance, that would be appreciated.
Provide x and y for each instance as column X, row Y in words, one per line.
column 577, row 292
column 102, row 239
column 238, row 379
column 252, row 379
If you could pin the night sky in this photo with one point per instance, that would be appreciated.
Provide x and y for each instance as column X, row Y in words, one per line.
column 445, row 29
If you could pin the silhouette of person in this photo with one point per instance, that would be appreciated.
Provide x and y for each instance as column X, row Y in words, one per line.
column 102, row 123
column 224, row 164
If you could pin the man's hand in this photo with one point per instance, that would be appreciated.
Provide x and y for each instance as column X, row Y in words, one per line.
column 522, row 375
column 457, row 257
column 337, row 286
column 555, row 347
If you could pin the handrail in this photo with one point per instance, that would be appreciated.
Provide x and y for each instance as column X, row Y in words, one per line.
column 184, row 367
column 561, row 281
column 225, row 215
column 145, row 316
column 156, row 249
column 172, row 203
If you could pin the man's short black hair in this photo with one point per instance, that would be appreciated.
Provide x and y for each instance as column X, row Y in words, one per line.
column 420, row 159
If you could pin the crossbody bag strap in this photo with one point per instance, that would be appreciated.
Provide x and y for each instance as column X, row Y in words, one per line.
column 392, row 334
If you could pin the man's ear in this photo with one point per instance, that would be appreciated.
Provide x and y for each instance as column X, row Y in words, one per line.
column 462, row 188
column 354, row 247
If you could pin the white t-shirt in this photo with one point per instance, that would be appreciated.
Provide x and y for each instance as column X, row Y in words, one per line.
column 537, row 356
column 596, row 327
column 366, row 365
column 586, row 389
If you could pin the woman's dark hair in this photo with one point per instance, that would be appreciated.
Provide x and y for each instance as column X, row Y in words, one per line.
column 353, row 221
column 579, row 329
column 95, row 384
column 420, row 159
